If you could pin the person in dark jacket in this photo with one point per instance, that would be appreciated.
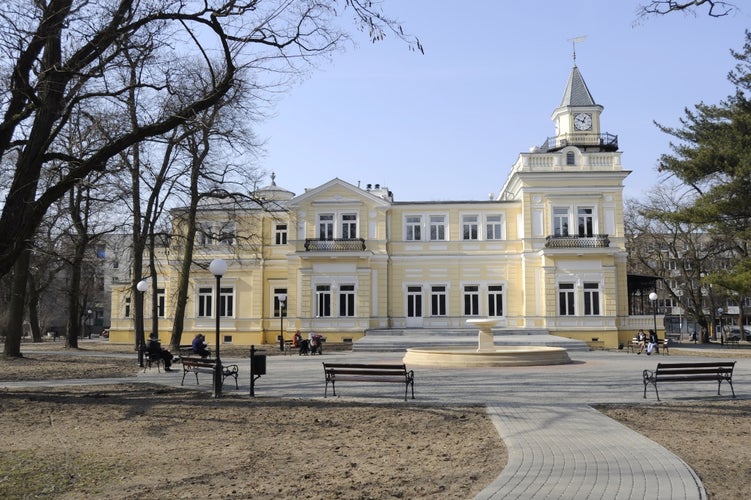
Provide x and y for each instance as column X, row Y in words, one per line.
column 199, row 345
column 155, row 350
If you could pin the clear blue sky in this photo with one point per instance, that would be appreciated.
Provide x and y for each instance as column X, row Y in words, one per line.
column 448, row 125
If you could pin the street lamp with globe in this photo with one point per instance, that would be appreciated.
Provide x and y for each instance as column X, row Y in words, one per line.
column 653, row 299
column 142, row 286
column 218, row 268
column 282, row 305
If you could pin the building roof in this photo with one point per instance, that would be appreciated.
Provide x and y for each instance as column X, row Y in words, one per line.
column 576, row 93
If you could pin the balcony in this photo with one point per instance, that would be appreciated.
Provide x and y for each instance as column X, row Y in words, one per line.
column 606, row 142
column 335, row 245
column 594, row 241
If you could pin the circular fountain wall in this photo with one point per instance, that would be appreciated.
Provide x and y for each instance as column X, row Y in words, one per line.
column 464, row 357
column 486, row 354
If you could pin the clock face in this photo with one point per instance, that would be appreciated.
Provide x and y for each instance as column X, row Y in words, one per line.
column 583, row 121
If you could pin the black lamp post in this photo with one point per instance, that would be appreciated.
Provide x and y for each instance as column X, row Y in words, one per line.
column 89, row 322
column 653, row 299
column 142, row 286
column 218, row 267
column 719, row 319
column 282, row 304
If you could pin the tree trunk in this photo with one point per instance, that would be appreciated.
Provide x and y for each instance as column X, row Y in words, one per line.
column 14, row 325
column 74, row 302
column 33, row 303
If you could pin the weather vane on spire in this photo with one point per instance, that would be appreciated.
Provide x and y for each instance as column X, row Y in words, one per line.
column 574, row 41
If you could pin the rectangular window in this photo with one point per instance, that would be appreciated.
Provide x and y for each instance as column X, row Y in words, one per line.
column 566, row 299
column 413, row 224
column 471, row 300
column 280, row 234
column 560, row 221
column 227, row 302
column 414, row 302
column 347, row 300
column 438, row 301
column 470, row 227
column 437, row 228
column 323, row 301
column 226, row 233
column 493, row 227
column 101, row 251
column 495, row 300
column 205, row 295
column 326, row 227
column 586, row 221
column 349, row 226
column 160, row 299
column 127, row 307
column 591, row 299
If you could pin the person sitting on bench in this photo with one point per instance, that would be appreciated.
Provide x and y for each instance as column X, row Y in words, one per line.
column 154, row 348
column 199, row 345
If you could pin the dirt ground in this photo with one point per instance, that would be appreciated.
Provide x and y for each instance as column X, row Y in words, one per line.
column 136, row 440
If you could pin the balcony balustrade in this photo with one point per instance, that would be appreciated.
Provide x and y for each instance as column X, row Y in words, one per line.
column 594, row 241
column 335, row 245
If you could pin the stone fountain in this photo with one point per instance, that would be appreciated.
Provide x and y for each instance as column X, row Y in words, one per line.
column 487, row 353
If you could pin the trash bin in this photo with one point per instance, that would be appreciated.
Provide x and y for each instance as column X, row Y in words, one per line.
column 258, row 364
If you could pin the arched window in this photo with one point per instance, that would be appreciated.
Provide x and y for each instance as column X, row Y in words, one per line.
column 570, row 158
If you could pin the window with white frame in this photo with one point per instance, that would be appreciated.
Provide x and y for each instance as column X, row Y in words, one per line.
column 560, row 221
column 278, row 309
column 205, row 295
column 326, row 226
column 227, row 302
column 493, row 227
column 280, row 234
column 591, row 299
column 413, row 228
column 585, row 221
column 323, row 301
column 414, row 302
column 347, row 300
column 349, row 226
column 438, row 300
column 127, row 307
column 227, row 233
column 217, row 233
column 160, row 302
column 470, row 227
column 437, row 228
column 566, row 299
column 471, row 300
column 495, row 300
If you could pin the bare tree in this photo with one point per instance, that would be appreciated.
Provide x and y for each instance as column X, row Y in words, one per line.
column 715, row 8
column 64, row 55
column 65, row 58
column 681, row 254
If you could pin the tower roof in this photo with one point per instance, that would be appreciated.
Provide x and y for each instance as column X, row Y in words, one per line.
column 576, row 93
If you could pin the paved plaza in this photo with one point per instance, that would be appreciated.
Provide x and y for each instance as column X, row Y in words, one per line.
column 559, row 447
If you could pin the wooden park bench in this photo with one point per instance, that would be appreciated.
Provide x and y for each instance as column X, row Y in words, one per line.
column 359, row 372
column 733, row 341
column 690, row 372
column 663, row 346
column 205, row 365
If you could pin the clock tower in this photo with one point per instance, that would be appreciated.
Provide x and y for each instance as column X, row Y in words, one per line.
column 577, row 118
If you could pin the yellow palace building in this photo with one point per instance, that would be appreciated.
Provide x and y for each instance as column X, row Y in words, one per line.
column 546, row 254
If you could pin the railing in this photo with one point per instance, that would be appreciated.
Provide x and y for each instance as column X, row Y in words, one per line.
column 594, row 241
column 609, row 142
column 335, row 245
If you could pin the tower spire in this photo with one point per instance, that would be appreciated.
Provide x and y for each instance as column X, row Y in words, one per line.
column 574, row 41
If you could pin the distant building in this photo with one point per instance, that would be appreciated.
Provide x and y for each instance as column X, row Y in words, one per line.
column 547, row 253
